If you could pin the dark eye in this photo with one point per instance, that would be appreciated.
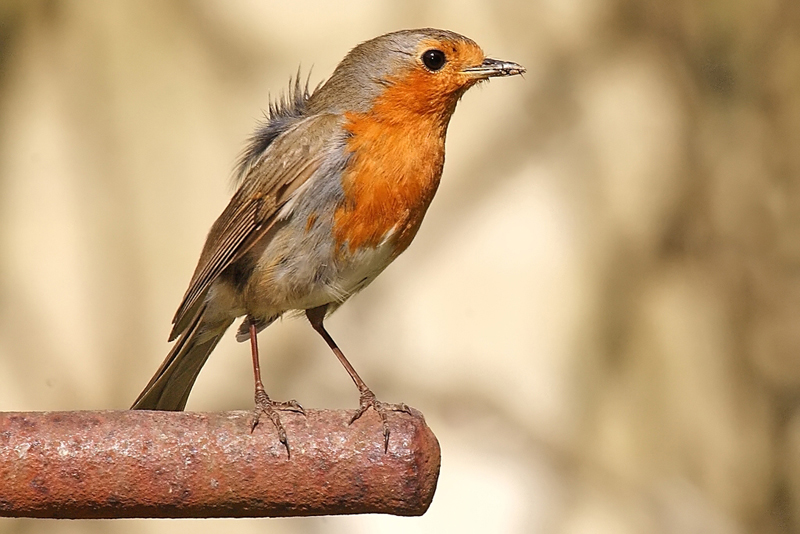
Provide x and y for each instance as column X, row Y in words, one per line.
column 433, row 59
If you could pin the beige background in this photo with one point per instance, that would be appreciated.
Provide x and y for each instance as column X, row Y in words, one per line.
column 600, row 317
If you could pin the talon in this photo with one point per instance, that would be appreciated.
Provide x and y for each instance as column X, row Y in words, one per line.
column 359, row 413
column 290, row 406
column 269, row 407
column 282, row 439
column 368, row 400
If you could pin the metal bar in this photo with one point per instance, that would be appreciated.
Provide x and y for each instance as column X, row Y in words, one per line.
column 115, row 464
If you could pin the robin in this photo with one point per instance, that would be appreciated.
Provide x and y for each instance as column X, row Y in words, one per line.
column 331, row 189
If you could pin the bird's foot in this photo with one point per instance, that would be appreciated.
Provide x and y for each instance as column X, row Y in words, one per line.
column 368, row 400
column 270, row 408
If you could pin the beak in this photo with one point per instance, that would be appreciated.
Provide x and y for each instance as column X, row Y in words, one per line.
column 494, row 67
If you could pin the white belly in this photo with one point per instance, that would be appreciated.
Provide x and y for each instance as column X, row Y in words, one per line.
column 314, row 276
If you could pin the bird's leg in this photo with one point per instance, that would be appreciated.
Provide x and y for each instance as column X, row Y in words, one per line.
column 367, row 397
column 265, row 405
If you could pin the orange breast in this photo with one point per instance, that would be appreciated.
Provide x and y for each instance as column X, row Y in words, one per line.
column 397, row 160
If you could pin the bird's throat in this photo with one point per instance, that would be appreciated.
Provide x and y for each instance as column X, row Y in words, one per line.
column 393, row 175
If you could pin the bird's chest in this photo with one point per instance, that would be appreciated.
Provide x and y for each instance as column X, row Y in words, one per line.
column 392, row 178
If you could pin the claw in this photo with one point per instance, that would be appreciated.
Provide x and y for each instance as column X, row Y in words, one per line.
column 290, row 406
column 266, row 406
column 368, row 400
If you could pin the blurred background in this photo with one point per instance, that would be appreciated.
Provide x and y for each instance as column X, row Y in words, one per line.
column 600, row 317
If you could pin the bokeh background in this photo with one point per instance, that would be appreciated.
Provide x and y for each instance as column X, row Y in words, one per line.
column 600, row 317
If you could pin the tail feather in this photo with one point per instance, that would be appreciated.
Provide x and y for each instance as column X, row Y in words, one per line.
column 170, row 386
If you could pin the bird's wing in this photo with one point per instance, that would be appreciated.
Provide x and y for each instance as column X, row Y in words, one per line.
column 289, row 162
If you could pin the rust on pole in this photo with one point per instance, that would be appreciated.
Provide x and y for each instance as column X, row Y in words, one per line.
column 114, row 464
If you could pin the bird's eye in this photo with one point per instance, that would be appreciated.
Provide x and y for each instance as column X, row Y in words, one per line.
column 433, row 59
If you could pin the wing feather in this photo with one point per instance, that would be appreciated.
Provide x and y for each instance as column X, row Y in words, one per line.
column 293, row 158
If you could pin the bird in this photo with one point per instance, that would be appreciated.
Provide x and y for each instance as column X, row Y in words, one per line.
column 331, row 188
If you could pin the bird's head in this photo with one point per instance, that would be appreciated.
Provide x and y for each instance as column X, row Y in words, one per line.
column 408, row 73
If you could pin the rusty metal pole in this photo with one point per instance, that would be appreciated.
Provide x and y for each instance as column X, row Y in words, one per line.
column 115, row 464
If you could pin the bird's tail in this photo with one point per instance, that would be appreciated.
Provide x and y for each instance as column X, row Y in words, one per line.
column 170, row 386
